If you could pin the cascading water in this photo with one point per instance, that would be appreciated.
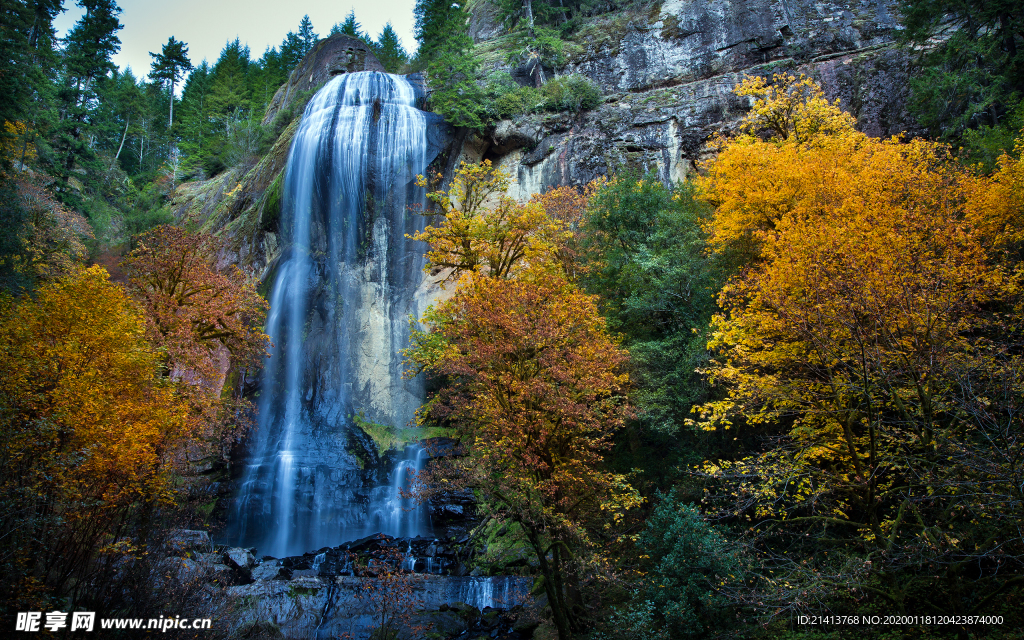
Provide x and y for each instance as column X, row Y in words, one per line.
column 343, row 290
column 394, row 514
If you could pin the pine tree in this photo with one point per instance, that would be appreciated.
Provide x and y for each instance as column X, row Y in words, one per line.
column 306, row 35
column 389, row 50
column 441, row 26
column 122, row 105
column 89, row 48
column 350, row 27
column 195, row 117
column 27, row 65
column 295, row 46
column 170, row 66
column 446, row 50
column 229, row 102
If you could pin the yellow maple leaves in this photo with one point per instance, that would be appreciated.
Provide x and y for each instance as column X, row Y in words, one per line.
column 80, row 381
column 868, row 295
column 484, row 230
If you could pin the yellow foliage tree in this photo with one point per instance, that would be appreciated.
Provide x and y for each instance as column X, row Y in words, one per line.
column 484, row 230
column 869, row 325
column 753, row 184
column 87, row 426
column 792, row 108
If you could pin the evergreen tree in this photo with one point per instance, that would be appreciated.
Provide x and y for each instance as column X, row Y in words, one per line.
column 170, row 65
column 306, row 35
column 264, row 77
column 27, row 70
column 229, row 92
column 195, row 117
column 441, row 27
column 446, row 50
column 297, row 44
column 18, row 22
column 389, row 50
column 229, row 102
column 88, row 51
column 350, row 27
column 976, row 76
column 122, row 106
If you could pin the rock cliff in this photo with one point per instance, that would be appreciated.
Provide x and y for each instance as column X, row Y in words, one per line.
column 667, row 73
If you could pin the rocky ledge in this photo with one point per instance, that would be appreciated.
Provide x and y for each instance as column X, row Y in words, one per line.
column 417, row 584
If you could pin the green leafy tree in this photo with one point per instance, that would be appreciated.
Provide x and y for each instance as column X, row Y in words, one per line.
column 689, row 560
column 170, row 65
column 976, row 76
column 649, row 262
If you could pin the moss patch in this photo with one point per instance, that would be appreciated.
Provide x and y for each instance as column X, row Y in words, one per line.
column 387, row 437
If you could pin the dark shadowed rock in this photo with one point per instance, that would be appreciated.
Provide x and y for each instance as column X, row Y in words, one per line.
column 182, row 541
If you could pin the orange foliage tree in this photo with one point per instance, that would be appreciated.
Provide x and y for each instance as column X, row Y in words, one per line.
column 870, row 323
column 86, row 426
column 199, row 317
column 536, row 386
column 537, row 390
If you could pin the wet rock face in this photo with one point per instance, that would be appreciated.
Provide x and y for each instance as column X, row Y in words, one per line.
column 668, row 77
column 339, row 590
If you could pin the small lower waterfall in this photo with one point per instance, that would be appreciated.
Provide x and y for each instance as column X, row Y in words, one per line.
column 392, row 514
column 343, row 289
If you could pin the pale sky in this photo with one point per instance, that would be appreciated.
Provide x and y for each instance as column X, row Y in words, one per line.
column 206, row 25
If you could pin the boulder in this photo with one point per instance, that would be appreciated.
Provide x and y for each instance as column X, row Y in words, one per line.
column 239, row 558
column 182, row 541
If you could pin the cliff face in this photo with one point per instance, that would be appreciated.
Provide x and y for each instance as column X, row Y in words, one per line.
column 667, row 74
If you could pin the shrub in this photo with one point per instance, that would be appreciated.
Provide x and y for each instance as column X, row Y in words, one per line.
column 690, row 561
column 571, row 93
column 507, row 99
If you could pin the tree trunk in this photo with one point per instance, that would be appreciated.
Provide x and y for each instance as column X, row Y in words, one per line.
column 552, row 581
column 528, row 7
column 124, row 136
column 170, row 119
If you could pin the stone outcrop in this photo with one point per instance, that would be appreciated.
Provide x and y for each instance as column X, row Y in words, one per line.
column 667, row 75
column 330, row 57
column 336, row 591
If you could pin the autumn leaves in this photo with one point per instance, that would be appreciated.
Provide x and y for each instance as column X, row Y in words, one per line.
column 869, row 334
column 535, row 384
column 108, row 393
column 879, row 309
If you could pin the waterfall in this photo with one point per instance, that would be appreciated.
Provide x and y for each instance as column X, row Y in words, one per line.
column 342, row 292
column 392, row 514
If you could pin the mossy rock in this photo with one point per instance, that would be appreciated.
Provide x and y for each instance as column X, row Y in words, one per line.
column 272, row 204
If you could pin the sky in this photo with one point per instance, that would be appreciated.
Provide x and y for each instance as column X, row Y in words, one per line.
column 206, row 25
